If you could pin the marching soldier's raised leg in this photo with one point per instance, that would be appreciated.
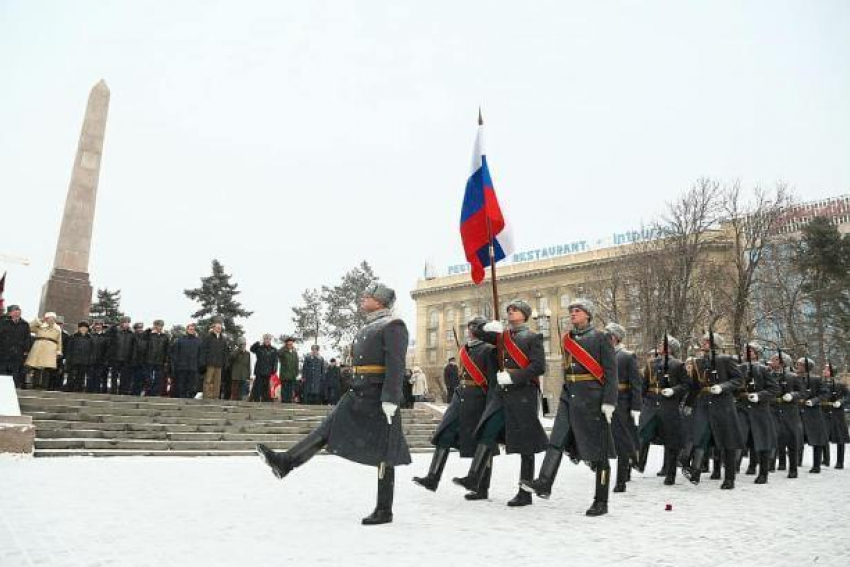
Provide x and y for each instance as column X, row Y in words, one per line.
column 629, row 401
column 811, row 415
column 833, row 408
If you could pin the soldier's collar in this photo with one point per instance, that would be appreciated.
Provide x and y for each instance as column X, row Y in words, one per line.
column 473, row 342
column 520, row 327
column 375, row 315
column 582, row 330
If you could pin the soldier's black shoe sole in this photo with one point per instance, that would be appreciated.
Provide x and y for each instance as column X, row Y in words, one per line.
column 597, row 509
column 792, row 474
column 537, row 488
column 761, row 480
column 727, row 485
column 378, row 517
column 271, row 459
column 814, row 471
column 521, row 499
column 466, row 482
column 427, row 482
column 476, row 496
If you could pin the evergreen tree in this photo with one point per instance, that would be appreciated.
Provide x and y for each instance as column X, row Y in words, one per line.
column 342, row 303
column 308, row 316
column 107, row 308
column 216, row 296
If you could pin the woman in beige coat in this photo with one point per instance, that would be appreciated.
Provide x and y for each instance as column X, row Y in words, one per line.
column 46, row 347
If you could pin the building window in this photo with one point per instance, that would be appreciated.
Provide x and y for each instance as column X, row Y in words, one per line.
column 432, row 338
column 565, row 301
column 467, row 314
column 433, row 319
column 450, row 337
column 450, row 317
column 542, row 304
column 432, row 357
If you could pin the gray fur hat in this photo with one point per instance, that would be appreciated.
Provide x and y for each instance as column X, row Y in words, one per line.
column 617, row 330
column 674, row 344
column 582, row 303
column 786, row 359
column 476, row 322
column 718, row 339
column 802, row 362
column 267, row 337
column 520, row 306
column 241, row 341
column 380, row 293
column 755, row 348
column 125, row 319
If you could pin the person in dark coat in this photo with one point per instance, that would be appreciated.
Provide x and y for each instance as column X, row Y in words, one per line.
column 586, row 408
column 714, row 382
column 240, row 368
column 99, row 363
column 789, row 427
column 214, row 351
column 331, row 383
column 478, row 367
column 814, row 426
column 312, row 371
column 627, row 416
column 511, row 413
column 186, row 361
column 406, row 389
column 365, row 426
column 158, row 345
column 833, row 411
column 665, row 385
column 78, row 357
column 137, row 361
column 264, row 367
column 121, row 357
column 288, row 358
column 754, row 416
column 15, row 342
column 451, row 378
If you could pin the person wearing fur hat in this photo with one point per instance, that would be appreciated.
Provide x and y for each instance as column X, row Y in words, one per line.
column 786, row 416
column 627, row 416
column 586, row 408
column 477, row 376
column 288, row 359
column 814, row 426
column 264, row 367
column 753, row 410
column 365, row 426
column 78, row 357
column 121, row 338
column 714, row 381
column 512, row 410
column 46, row 348
column 835, row 392
column 15, row 342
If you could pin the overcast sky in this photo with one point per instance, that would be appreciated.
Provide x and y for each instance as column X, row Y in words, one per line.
column 292, row 140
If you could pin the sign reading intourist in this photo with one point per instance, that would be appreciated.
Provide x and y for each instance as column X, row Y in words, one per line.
column 574, row 247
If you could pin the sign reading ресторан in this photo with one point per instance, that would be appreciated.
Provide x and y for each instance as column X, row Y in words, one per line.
column 567, row 249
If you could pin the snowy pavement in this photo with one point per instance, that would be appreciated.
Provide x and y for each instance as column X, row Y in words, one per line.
column 171, row 511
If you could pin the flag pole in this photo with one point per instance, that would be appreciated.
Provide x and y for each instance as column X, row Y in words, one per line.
column 491, row 248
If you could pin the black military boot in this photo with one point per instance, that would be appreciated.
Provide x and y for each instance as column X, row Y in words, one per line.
column 483, row 491
column 780, row 457
column 694, row 472
column 715, row 464
column 817, row 455
column 477, row 469
column 526, row 474
column 771, row 461
column 283, row 462
column 663, row 471
column 753, row 460
column 670, row 465
column 542, row 485
column 435, row 471
column 826, row 455
column 764, row 464
column 728, row 469
column 622, row 474
column 792, row 462
column 643, row 455
column 839, row 456
column 383, row 513
column 600, row 498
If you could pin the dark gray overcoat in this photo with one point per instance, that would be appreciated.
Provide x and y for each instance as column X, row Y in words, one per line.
column 755, row 419
column 715, row 418
column 836, row 422
column 789, row 426
column 814, row 425
column 629, row 400
column 660, row 412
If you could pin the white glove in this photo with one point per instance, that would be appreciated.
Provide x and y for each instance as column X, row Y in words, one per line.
column 836, row 404
column 608, row 411
column 493, row 327
column 504, row 378
column 667, row 392
column 809, row 403
column 716, row 389
column 389, row 410
column 753, row 398
column 787, row 398
column 687, row 411
column 636, row 417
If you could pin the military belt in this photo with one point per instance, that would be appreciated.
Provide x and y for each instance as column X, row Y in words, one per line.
column 745, row 395
column 826, row 404
column 705, row 390
column 469, row 383
column 779, row 400
column 579, row 378
column 369, row 369
column 623, row 387
column 654, row 390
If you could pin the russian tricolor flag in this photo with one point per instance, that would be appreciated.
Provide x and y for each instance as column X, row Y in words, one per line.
column 481, row 218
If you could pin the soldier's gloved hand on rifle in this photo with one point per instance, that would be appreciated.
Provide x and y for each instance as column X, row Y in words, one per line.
column 753, row 398
column 787, row 398
column 667, row 392
column 636, row 417
column 687, row 411
column 608, row 412
column 389, row 410
column 836, row 404
column 716, row 389
column 504, row 378
column 809, row 403
column 493, row 327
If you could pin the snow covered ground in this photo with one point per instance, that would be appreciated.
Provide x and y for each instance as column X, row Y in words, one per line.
column 231, row 511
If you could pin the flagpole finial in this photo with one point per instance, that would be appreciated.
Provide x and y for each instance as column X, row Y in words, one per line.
column 480, row 118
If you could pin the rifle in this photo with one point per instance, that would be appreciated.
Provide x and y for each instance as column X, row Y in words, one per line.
column 751, row 384
column 808, row 378
column 666, row 374
column 783, row 381
column 561, row 344
column 713, row 352
column 833, row 394
column 457, row 344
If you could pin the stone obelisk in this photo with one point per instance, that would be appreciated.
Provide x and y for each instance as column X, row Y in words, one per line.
column 68, row 291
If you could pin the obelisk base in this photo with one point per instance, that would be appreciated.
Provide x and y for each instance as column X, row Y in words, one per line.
column 67, row 294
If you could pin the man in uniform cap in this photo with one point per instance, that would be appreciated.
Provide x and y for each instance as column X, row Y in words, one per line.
column 814, row 426
column 511, row 413
column 833, row 409
column 789, row 427
column 753, row 409
column 288, row 358
column 477, row 377
column 78, row 356
column 365, row 426
column 586, row 409
column 627, row 416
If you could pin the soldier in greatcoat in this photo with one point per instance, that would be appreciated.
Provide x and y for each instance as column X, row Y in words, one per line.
column 833, row 411
column 477, row 377
column 714, row 381
column 586, row 408
column 511, row 414
column 629, row 400
column 365, row 426
column 789, row 427
column 754, row 416
column 814, row 426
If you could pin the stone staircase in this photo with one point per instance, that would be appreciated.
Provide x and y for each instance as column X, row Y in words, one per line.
column 102, row 425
